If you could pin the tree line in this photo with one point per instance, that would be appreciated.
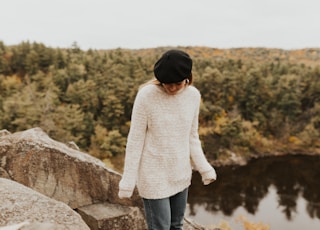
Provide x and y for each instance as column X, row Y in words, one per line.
column 254, row 101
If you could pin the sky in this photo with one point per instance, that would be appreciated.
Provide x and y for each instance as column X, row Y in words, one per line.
column 137, row 24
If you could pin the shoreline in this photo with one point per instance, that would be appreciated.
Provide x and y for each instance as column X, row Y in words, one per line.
column 238, row 160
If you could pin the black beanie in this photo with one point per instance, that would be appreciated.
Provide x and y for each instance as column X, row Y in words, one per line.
column 173, row 66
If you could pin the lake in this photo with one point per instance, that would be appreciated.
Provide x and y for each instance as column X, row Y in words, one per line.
column 282, row 191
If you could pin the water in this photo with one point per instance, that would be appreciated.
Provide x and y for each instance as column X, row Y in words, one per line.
column 282, row 192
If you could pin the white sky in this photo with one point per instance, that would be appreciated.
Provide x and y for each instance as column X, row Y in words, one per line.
column 135, row 24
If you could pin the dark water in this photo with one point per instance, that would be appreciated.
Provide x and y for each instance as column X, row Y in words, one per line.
column 283, row 192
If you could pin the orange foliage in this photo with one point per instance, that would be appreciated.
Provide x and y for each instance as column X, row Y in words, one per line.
column 252, row 226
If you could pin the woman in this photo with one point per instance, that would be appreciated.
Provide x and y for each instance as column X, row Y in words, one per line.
column 163, row 142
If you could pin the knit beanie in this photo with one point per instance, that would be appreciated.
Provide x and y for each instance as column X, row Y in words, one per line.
column 173, row 66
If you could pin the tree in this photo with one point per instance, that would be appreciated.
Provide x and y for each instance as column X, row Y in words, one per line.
column 105, row 144
column 83, row 93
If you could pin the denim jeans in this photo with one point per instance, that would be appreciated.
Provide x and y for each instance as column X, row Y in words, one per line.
column 166, row 213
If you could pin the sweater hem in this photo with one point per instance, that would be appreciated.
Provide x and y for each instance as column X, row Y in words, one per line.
column 166, row 194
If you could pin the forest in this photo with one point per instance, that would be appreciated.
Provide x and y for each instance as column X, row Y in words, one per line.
column 255, row 101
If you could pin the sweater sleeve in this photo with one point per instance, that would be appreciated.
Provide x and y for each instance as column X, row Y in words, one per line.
column 134, row 148
column 198, row 159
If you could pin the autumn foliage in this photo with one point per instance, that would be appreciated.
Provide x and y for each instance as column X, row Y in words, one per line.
column 256, row 101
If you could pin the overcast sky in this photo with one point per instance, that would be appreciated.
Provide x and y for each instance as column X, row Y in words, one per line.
column 135, row 24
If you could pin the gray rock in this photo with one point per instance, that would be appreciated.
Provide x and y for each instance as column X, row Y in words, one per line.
column 64, row 173
column 52, row 168
column 20, row 204
column 112, row 216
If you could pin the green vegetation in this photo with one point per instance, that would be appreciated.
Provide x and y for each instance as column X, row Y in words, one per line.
column 255, row 101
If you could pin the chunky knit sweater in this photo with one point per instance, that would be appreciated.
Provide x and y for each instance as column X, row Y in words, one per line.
column 163, row 144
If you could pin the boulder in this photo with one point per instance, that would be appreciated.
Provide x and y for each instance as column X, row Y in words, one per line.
column 52, row 168
column 112, row 216
column 24, row 208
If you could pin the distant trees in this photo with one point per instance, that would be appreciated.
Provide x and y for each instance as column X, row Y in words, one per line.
column 250, row 105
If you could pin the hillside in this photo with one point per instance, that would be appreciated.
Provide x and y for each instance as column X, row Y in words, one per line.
column 308, row 56
column 256, row 101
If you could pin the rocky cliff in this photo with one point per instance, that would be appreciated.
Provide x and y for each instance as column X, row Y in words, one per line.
column 45, row 184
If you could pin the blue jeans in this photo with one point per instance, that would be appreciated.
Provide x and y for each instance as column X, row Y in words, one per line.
column 166, row 213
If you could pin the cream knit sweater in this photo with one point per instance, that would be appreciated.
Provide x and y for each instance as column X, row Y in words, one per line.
column 162, row 143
